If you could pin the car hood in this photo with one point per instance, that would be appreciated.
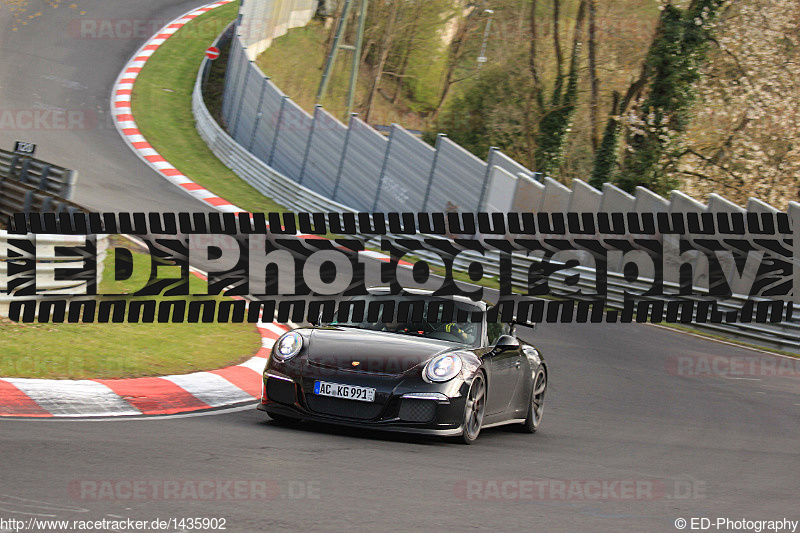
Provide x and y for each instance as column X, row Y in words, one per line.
column 370, row 351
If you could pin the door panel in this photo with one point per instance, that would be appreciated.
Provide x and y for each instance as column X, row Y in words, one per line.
column 507, row 369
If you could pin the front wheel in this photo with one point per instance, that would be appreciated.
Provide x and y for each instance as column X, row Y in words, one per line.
column 474, row 408
column 536, row 406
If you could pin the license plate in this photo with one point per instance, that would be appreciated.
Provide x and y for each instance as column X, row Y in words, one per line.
column 349, row 392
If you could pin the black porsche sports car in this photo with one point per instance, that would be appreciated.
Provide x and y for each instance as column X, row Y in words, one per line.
column 424, row 375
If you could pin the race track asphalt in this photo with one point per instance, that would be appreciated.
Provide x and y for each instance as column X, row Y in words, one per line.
column 694, row 446
column 50, row 64
column 618, row 413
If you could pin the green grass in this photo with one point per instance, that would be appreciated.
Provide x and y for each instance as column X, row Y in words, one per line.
column 300, row 77
column 162, row 105
column 84, row 351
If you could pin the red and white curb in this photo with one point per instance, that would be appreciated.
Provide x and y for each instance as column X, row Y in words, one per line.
column 22, row 397
column 163, row 395
column 126, row 125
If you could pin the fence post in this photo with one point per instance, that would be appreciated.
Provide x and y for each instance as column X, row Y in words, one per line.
column 317, row 108
column 277, row 130
column 344, row 154
column 241, row 100
column 206, row 66
column 383, row 168
column 235, row 78
column 433, row 169
column 70, row 178
column 258, row 114
column 489, row 159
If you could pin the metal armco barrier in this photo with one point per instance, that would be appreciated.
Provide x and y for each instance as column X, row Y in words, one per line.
column 50, row 179
column 30, row 185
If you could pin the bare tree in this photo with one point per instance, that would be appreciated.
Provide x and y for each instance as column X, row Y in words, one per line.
column 455, row 52
column 595, row 81
column 383, row 53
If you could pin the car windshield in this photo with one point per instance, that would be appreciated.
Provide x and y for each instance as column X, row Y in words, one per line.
column 425, row 316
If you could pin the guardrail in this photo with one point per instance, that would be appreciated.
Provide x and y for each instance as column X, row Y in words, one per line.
column 19, row 197
column 48, row 178
column 30, row 185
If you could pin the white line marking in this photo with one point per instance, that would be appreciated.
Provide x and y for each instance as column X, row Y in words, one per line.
column 720, row 341
column 23, row 512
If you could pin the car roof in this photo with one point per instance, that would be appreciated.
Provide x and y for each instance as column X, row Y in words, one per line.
column 384, row 290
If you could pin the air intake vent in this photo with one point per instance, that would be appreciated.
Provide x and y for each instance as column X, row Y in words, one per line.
column 281, row 391
column 344, row 408
column 412, row 410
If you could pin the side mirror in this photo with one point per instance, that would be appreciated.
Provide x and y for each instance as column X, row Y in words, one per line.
column 505, row 343
column 514, row 324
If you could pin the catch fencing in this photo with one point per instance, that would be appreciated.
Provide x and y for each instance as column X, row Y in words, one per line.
column 352, row 164
column 553, row 197
column 317, row 164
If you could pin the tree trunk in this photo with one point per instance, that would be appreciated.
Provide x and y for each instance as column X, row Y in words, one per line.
column 456, row 51
column 557, row 50
column 595, row 82
column 383, row 54
column 412, row 32
column 557, row 117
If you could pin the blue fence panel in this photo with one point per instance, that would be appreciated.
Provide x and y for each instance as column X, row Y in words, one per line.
column 457, row 179
column 267, row 123
column 500, row 191
column 245, row 116
column 499, row 159
column 324, row 153
column 293, row 132
column 406, row 172
column 361, row 168
column 232, row 92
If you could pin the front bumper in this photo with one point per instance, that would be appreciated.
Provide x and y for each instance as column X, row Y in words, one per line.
column 401, row 404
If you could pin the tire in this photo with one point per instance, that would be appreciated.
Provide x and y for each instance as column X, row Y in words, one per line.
column 474, row 409
column 536, row 405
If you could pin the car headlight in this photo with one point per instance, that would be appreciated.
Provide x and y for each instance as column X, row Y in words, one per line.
column 443, row 367
column 288, row 346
